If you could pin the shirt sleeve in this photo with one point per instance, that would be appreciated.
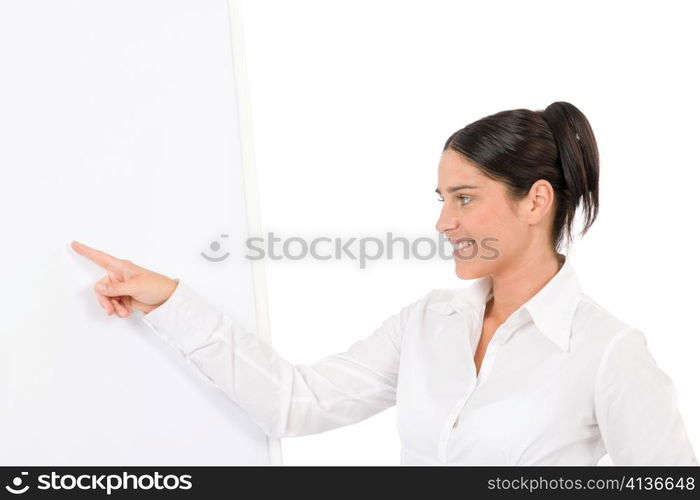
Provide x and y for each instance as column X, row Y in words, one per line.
column 284, row 399
column 635, row 405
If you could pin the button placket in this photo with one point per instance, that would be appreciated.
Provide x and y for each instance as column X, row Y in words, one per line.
column 500, row 336
column 489, row 357
column 470, row 322
column 454, row 418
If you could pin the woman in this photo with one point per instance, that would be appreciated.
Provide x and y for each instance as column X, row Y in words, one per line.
column 520, row 367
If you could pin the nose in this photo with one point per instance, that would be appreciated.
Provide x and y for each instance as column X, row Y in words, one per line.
column 446, row 222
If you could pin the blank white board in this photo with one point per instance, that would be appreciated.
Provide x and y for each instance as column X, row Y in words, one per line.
column 120, row 127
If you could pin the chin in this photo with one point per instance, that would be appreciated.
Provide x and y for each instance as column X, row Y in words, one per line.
column 469, row 269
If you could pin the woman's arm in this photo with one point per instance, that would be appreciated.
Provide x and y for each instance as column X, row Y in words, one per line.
column 635, row 405
column 284, row 399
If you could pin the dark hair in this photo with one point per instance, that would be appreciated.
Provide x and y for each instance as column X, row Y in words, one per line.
column 521, row 146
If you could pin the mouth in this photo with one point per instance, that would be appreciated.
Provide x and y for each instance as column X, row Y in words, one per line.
column 463, row 246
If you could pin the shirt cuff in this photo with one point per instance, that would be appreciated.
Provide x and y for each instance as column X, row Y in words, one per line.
column 185, row 320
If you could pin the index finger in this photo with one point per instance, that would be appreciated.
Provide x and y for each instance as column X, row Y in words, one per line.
column 97, row 256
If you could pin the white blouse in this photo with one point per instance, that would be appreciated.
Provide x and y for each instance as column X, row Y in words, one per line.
column 562, row 382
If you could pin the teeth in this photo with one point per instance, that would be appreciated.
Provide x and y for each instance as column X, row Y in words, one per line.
column 463, row 244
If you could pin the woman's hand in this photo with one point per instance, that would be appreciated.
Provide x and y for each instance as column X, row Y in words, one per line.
column 126, row 285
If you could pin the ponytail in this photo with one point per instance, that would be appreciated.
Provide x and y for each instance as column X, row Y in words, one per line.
column 578, row 158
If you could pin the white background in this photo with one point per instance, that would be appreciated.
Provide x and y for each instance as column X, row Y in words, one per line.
column 352, row 102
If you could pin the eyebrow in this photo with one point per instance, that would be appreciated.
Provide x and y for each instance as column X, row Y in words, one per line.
column 457, row 188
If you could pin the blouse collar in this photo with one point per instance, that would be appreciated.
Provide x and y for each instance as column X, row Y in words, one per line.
column 552, row 308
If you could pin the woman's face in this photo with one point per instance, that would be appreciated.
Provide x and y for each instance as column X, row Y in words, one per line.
column 501, row 229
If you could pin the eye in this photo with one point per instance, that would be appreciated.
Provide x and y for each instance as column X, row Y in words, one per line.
column 469, row 198
column 462, row 197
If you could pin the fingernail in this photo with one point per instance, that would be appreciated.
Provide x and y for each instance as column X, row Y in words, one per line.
column 101, row 287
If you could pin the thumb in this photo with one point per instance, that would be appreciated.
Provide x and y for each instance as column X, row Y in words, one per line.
column 115, row 289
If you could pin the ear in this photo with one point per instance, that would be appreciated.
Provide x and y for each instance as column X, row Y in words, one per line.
column 540, row 201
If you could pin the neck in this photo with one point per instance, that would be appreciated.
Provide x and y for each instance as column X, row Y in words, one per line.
column 515, row 285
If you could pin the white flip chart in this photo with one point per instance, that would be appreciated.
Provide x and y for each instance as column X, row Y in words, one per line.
column 123, row 125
